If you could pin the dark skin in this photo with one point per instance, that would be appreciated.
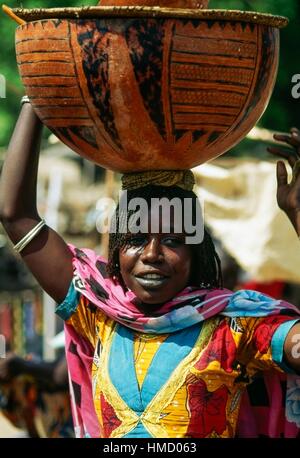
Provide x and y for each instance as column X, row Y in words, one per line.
column 288, row 194
column 288, row 199
column 161, row 254
column 48, row 256
column 165, row 255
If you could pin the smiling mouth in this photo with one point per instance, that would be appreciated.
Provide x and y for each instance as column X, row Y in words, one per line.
column 151, row 281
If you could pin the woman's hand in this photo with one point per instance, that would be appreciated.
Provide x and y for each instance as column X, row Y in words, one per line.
column 288, row 194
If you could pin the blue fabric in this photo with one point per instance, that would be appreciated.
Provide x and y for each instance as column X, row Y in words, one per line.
column 138, row 432
column 175, row 348
column 69, row 306
column 277, row 344
column 248, row 303
column 122, row 370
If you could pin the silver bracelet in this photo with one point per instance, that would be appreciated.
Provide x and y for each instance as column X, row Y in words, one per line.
column 30, row 236
column 24, row 99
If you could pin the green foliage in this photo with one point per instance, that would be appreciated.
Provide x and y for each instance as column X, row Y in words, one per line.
column 283, row 110
column 282, row 113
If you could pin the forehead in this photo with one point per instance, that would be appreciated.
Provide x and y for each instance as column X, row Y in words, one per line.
column 161, row 215
column 156, row 220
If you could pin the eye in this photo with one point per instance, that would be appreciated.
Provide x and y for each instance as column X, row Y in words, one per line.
column 172, row 241
column 136, row 240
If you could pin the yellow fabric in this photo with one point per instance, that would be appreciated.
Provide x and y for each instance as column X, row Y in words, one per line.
column 168, row 414
column 145, row 347
column 181, row 178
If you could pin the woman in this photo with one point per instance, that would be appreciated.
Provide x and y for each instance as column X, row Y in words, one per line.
column 156, row 347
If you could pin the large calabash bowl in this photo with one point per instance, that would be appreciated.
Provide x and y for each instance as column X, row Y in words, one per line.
column 139, row 88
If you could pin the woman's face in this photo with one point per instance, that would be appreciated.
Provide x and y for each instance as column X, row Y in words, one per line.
column 156, row 266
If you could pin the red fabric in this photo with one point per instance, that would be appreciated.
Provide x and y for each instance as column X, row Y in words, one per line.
column 207, row 410
column 215, row 349
column 274, row 289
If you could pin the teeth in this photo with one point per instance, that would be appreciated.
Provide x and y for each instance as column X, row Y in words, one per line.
column 153, row 276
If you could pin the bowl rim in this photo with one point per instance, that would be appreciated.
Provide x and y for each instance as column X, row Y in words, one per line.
column 95, row 12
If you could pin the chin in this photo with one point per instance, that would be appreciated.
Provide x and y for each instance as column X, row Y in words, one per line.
column 152, row 299
column 154, row 302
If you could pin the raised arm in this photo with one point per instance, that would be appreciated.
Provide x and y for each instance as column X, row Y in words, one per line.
column 288, row 194
column 47, row 255
column 288, row 198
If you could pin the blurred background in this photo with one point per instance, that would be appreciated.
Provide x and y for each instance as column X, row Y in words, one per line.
column 258, row 247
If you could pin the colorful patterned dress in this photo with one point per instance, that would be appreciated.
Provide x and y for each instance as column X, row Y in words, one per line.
column 186, row 384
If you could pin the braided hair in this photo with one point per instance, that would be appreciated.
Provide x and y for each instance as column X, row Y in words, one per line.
column 206, row 264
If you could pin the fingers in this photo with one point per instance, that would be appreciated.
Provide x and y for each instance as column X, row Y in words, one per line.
column 295, row 131
column 290, row 140
column 282, row 176
column 293, row 139
column 296, row 176
column 289, row 156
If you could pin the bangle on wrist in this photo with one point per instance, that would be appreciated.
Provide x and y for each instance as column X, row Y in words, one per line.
column 24, row 99
column 29, row 236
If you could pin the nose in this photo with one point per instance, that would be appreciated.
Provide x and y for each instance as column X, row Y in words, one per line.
column 152, row 252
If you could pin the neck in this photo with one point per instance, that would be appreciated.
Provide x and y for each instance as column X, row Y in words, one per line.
column 149, row 309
